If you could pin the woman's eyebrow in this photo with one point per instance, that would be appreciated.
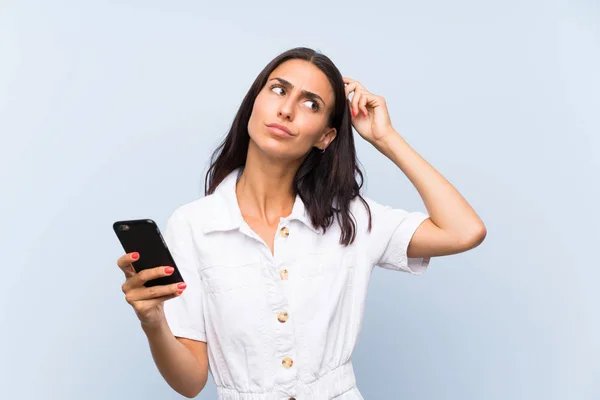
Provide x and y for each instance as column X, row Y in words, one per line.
column 305, row 93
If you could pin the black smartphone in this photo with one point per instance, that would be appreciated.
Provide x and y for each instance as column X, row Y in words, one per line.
column 143, row 236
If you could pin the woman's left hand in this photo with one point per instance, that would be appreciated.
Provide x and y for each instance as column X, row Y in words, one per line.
column 370, row 116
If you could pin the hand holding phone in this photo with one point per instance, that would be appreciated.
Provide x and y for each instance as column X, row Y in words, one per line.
column 147, row 301
column 150, row 271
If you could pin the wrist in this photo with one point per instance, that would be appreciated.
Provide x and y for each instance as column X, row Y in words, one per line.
column 155, row 327
column 387, row 142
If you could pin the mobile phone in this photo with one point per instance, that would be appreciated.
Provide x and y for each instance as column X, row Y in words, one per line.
column 144, row 237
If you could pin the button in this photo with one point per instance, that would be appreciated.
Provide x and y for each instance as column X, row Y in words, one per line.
column 282, row 316
column 287, row 362
column 283, row 274
column 284, row 232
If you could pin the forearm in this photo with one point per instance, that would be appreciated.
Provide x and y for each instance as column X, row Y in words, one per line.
column 446, row 207
column 176, row 363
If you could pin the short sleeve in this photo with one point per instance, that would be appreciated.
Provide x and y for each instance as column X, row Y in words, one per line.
column 184, row 314
column 391, row 233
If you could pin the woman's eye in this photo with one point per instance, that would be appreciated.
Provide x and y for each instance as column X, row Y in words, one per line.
column 314, row 106
column 277, row 89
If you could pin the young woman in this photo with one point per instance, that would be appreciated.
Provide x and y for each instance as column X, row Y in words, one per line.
column 278, row 254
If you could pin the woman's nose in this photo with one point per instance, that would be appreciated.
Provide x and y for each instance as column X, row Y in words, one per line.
column 286, row 110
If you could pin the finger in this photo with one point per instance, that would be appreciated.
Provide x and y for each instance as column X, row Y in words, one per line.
column 141, row 306
column 146, row 275
column 349, row 89
column 348, row 80
column 154, row 292
column 362, row 104
column 358, row 95
column 154, row 302
column 125, row 262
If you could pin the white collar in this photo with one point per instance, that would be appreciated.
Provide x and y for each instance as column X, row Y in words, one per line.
column 228, row 215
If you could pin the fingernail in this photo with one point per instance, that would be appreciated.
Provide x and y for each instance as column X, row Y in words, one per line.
column 135, row 256
column 169, row 270
column 179, row 292
column 353, row 113
column 365, row 114
column 182, row 285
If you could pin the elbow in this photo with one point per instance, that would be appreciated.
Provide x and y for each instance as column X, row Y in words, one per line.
column 190, row 394
column 191, row 391
column 474, row 238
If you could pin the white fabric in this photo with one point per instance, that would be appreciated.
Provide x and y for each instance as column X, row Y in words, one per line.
column 235, row 293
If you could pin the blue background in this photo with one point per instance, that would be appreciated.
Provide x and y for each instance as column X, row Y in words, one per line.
column 109, row 110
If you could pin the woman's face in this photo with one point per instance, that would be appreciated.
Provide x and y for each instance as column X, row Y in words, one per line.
column 296, row 97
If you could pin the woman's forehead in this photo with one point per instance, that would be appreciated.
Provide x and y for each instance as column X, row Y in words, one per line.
column 304, row 75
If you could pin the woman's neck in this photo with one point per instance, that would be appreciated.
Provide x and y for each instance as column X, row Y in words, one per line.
column 265, row 189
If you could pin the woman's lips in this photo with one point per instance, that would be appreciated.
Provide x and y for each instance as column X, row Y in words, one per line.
column 280, row 130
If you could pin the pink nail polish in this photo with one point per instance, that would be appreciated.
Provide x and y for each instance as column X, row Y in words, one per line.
column 135, row 256
column 182, row 285
column 169, row 270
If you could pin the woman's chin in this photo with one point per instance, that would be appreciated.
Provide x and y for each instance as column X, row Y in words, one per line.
column 278, row 149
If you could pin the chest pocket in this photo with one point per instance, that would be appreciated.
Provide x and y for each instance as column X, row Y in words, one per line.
column 321, row 264
column 232, row 272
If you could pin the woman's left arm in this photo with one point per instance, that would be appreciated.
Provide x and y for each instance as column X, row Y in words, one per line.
column 453, row 226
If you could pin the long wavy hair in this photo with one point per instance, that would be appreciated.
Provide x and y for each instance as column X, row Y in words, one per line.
column 326, row 182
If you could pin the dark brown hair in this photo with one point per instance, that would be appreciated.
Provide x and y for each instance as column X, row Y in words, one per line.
column 326, row 182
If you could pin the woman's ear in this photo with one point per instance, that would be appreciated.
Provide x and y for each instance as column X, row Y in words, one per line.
column 326, row 138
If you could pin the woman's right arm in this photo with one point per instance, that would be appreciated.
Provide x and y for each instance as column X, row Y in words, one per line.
column 183, row 363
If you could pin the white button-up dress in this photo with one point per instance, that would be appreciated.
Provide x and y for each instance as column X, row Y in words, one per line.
column 284, row 325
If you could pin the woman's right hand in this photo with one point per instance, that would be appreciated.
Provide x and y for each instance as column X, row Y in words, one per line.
column 147, row 301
